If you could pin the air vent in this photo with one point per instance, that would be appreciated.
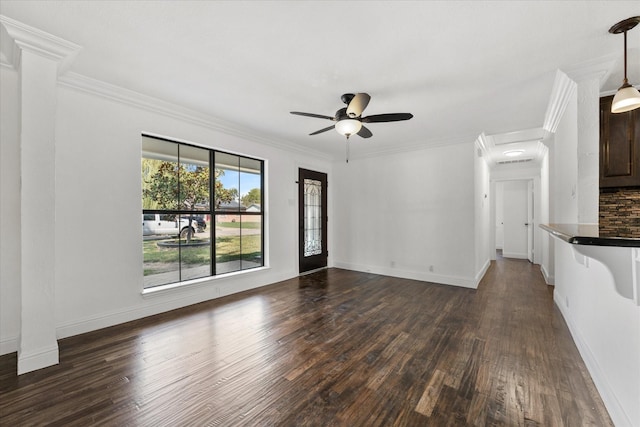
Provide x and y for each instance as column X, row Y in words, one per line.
column 505, row 162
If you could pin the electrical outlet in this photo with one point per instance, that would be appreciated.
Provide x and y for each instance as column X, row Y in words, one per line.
column 431, row 268
column 393, row 263
column 566, row 301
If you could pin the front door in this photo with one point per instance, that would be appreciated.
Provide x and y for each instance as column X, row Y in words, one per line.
column 312, row 216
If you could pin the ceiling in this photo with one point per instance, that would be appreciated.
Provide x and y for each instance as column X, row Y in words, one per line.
column 461, row 68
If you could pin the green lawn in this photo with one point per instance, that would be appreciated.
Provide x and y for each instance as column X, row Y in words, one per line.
column 238, row 224
column 227, row 249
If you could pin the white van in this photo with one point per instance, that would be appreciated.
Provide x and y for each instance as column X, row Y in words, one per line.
column 165, row 224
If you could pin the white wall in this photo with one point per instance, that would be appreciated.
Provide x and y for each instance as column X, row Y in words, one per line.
column 484, row 239
column 98, row 265
column 564, row 167
column 408, row 215
column 546, row 263
column 588, row 149
column 10, row 293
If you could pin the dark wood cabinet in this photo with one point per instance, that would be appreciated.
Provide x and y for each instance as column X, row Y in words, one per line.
column 619, row 146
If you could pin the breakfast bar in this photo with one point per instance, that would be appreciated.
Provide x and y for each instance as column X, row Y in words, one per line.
column 597, row 289
column 616, row 250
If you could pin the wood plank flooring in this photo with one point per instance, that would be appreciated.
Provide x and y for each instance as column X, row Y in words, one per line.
column 334, row 348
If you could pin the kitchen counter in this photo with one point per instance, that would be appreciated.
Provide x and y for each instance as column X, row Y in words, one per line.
column 620, row 255
column 590, row 234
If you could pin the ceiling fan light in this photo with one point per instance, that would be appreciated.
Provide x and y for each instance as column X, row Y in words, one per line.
column 348, row 126
column 626, row 99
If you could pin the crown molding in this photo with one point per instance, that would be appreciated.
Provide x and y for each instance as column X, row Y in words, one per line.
column 486, row 144
column 541, row 150
column 148, row 103
column 524, row 135
column 598, row 68
column 562, row 91
column 18, row 37
column 566, row 82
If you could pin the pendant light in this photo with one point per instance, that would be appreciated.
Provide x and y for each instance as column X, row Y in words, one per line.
column 627, row 98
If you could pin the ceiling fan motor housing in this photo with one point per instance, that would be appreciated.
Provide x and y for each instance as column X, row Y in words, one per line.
column 341, row 114
column 347, row 97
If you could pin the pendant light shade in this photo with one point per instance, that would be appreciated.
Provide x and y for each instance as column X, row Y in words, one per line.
column 348, row 126
column 627, row 98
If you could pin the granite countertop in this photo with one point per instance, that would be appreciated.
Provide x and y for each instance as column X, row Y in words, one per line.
column 590, row 234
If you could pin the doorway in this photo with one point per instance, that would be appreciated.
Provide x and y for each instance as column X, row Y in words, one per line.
column 312, row 218
column 514, row 219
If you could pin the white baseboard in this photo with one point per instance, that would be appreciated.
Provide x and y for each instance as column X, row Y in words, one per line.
column 482, row 272
column 38, row 359
column 517, row 255
column 615, row 409
column 548, row 279
column 170, row 300
column 465, row 282
column 9, row 345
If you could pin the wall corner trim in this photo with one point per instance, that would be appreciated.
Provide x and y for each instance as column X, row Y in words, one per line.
column 37, row 359
column 562, row 91
column 25, row 37
column 548, row 279
column 482, row 272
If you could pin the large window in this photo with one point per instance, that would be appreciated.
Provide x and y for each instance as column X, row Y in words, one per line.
column 201, row 212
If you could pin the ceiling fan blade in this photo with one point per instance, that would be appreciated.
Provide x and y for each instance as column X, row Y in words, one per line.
column 391, row 117
column 358, row 104
column 364, row 133
column 318, row 116
column 323, row 130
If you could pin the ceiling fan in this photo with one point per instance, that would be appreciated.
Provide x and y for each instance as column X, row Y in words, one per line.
column 349, row 120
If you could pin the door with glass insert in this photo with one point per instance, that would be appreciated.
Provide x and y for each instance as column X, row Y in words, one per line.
column 312, row 200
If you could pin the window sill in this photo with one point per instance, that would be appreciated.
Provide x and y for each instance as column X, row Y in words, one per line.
column 172, row 287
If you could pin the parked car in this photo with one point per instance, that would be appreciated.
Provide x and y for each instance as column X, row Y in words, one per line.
column 165, row 224
column 198, row 220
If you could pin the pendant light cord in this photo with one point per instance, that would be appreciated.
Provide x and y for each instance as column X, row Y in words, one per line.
column 626, row 81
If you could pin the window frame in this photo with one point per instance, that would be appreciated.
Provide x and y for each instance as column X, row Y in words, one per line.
column 212, row 212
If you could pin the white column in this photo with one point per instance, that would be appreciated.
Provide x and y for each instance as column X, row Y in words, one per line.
column 38, row 57
column 588, row 150
column 589, row 77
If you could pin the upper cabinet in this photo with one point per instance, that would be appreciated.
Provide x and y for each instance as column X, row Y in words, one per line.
column 619, row 146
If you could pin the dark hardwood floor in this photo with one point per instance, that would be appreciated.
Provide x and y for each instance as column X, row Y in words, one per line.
column 334, row 348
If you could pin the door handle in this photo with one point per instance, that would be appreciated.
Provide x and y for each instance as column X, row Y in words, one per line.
column 526, row 224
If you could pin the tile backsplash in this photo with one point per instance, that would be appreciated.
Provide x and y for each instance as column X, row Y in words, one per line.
column 620, row 212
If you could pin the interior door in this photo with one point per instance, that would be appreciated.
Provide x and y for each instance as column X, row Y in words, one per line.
column 516, row 229
column 312, row 217
column 499, row 209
